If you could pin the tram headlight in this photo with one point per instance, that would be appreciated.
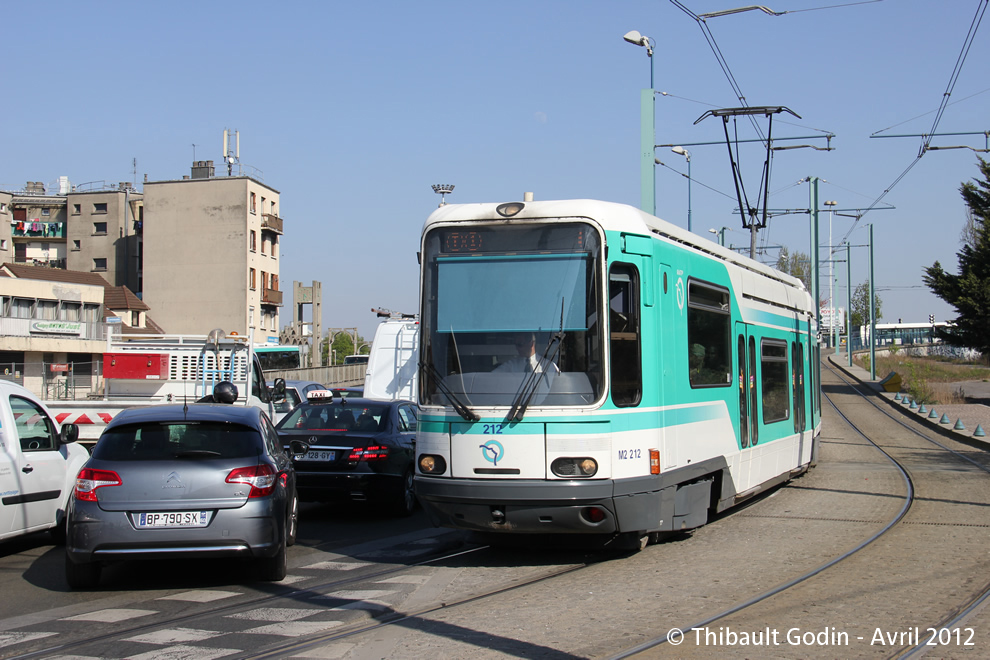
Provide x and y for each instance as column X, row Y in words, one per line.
column 432, row 464
column 574, row 467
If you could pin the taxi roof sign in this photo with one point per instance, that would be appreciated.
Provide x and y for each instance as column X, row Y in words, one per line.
column 319, row 396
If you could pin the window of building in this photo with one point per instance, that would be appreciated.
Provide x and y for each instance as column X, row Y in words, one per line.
column 275, row 248
column 274, row 282
column 46, row 211
column 3, row 207
column 264, row 280
column 76, row 245
column 100, row 207
column 254, row 241
column 254, row 207
column 21, row 308
column 774, row 383
column 100, row 263
column 273, row 208
column 91, row 313
column 250, row 316
column 100, row 228
column 3, row 243
column 709, row 353
column 69, row 311
column 46, row 309
column 76, row 209
column 262, row 204
column 264, row 244
column 135, row 319
column 251, row 279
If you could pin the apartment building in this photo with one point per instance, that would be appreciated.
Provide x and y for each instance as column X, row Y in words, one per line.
column 211, row 254
column 94, row 227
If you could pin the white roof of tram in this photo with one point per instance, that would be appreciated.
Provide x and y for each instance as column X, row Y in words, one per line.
column 612, row 217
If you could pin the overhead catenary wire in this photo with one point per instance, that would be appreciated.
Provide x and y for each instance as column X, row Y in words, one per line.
column 926, row 141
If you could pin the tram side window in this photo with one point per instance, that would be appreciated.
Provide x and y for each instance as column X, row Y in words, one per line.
column 774, row 383
column 624, row 329
column 709, row 353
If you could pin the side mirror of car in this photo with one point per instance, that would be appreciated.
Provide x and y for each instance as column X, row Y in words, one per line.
column 278, row 390
column 298, row 448
column 69, row 433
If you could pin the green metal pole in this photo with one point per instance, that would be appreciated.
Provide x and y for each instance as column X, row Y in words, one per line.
column 814, row 253
column 647, row 132
column 873, row 319
column 849, row 288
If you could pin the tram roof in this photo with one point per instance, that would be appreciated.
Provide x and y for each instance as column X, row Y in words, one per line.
column 612, row 216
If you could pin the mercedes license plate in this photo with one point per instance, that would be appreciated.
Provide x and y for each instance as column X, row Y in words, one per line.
column 325, row 455
column 174, row 519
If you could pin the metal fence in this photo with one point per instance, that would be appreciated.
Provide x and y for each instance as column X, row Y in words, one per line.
column 341, row 376
column 71, row 380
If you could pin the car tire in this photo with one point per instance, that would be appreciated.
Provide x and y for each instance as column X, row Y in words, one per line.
column 405, row 502
column 292, row 520
column 274, row 568
column 82, row 576
column 59, row 531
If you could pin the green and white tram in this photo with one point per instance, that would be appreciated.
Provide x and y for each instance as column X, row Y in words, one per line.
column 587, row 368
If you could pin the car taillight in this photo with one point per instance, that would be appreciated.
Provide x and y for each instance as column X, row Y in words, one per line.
column 372, row 453
column 261, row 478
column 88, row 480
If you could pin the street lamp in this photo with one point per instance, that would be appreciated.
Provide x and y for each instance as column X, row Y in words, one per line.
column 647, row 130
column 831, row 265
column 721, row 235
column 687, row 154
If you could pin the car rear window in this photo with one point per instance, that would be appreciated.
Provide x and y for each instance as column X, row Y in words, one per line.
column 337, row 417
column 149, row 442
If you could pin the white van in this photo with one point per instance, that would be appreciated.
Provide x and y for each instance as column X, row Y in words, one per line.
column 393, row 362
column 39, row 462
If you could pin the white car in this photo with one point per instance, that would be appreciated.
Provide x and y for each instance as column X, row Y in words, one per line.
column 39, row 462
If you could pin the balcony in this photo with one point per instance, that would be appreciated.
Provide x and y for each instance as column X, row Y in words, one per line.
column 271, row 297
column 38, row 229
column 271, row 223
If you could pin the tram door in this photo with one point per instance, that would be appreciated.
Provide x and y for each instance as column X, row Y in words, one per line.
column 746, row 383
column 797, row 381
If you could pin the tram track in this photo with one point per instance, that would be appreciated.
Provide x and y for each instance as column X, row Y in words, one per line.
column 299, row 644
column 949, row 622
column 285, row 594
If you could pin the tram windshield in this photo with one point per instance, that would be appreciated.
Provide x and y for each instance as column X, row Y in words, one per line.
column 512, row 316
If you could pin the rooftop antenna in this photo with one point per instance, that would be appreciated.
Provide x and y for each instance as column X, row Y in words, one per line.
column 443, row 189
column 231, row 149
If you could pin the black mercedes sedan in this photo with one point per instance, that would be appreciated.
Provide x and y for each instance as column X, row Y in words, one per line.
column 360, row 450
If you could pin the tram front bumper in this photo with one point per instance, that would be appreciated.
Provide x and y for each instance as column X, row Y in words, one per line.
column 530, row 507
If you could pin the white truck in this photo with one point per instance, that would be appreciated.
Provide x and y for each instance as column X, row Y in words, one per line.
column 393, row 363
column 141, row 370
column 39, row 461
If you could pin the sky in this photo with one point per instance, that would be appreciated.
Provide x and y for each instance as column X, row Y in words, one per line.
column 352, row 110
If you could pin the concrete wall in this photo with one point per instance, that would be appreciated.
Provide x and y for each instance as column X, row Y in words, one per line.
column 119, row 245
column 197, row 256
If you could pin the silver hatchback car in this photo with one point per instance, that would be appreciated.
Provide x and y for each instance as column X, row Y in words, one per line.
column 199, row 480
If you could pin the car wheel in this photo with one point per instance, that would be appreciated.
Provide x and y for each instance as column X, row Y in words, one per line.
column 58, row 532
column 273, row 569
column 292, row 522
column 82, row 576
column 405, row 502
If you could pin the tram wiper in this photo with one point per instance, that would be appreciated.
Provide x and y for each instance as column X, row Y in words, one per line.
column 458, row 405
column 532, row 382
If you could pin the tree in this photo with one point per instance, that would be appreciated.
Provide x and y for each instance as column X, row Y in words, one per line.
column 969, row 291
column 860, row 312
column 343, row 345
column 798, row 265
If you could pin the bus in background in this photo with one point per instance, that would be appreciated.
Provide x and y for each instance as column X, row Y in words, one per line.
column 276, row 356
